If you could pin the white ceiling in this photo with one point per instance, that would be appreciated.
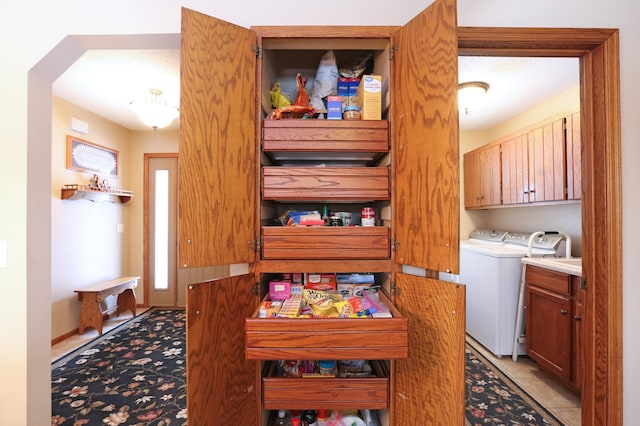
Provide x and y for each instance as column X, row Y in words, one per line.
column 106, row 81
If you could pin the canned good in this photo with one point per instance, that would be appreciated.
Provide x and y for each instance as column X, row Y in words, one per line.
column 335, row 221
column 368, row 216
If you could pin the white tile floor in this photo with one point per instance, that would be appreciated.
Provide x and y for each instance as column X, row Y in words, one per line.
column 560, row 401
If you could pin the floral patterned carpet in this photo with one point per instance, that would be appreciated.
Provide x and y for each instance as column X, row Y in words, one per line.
column 135, row 375
column 493, row 399
column 132, row 375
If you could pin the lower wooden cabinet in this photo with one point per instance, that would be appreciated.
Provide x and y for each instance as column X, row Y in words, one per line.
column 553, row 304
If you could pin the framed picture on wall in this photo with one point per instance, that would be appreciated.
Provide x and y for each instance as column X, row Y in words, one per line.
column 85, row 156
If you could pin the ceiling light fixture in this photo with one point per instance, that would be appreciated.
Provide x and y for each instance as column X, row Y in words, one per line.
column 154, row 111
column 470, row 94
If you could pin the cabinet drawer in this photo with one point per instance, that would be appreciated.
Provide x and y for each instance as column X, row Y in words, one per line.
column 327, row 338
column 558, row 282
column 326, row 393
column 325, row 183
column 325, row 242
column 325, row 136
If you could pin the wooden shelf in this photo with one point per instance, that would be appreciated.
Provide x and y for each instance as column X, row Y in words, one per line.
column 83, row 192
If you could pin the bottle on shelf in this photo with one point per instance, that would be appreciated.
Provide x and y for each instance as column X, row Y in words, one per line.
column 295, row 421
column 323, row 417
column 309, row 418
column 283, row 419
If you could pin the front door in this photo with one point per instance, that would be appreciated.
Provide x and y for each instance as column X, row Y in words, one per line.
column 162, row 178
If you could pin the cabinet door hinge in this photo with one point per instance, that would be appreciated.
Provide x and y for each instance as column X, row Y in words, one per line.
column 392, row 52
column 255, row 245
column 393, row 290
column 255, row 290
column 258, row 51
column 394, row 244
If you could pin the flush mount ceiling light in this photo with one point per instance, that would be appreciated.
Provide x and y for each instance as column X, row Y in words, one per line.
column 154, row 111
column 470, row 94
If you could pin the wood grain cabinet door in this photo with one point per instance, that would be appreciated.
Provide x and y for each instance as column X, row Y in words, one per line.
column 217, row 163
column 425, row 141
column 547, row 162
column 425, row 193
column 217, row 187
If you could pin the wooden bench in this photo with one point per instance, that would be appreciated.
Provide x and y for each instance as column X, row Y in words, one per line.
column 92, row 313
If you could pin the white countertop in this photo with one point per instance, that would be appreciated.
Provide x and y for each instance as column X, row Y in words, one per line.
column 571, row 266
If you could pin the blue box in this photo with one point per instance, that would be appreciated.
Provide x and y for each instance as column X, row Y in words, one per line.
column 334, row 107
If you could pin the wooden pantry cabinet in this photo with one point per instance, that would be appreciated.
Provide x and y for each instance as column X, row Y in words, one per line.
column 240, row 170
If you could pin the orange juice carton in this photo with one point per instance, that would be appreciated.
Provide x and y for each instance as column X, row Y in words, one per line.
column 369, row 97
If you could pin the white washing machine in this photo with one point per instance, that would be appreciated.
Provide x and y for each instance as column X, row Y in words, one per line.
column 491, row 268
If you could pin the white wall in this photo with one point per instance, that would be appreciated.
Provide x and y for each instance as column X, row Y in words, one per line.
column 85, row 245
column 32, row 29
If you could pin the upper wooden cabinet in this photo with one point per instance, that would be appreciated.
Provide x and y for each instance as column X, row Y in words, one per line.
column 539, row 164
column 547, row 162
column 482, row 186
column 515, row 170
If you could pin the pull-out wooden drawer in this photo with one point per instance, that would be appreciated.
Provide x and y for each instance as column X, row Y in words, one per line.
column 326, row 393
column 325, row 183
column 325, row 242
column 327, row 338
column 362, row 136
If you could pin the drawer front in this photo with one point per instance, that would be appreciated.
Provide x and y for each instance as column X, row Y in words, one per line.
column 326, row 393
column 551, row 280
column 325, row 135
column 325, row 242
column 325, row 183
column 327, row 338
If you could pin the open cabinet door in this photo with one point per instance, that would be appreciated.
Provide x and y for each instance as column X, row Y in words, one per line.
column 425, row 140
column 217, row 162
column 429, row 387
column 221, row 384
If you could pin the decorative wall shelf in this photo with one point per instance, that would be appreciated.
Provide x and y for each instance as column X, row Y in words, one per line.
column 84, row 192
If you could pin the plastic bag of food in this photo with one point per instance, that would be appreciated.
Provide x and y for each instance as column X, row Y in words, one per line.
column 326, row 82
column 321, row 302
column 358, row 67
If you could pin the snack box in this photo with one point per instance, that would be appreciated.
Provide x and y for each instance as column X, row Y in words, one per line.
column 369, row 97
column 296, row 289
column 291, row 307
column 355, row 279
column 269, row 309
column 299, row 216
column 320, row 281
column 350, row 289
column 279, row 290
column 334, row 107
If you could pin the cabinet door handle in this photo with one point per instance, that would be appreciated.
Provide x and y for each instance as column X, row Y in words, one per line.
column 563, row 311
column 577, row 318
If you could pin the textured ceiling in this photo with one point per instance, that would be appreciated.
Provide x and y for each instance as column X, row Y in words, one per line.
column 106, row 81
